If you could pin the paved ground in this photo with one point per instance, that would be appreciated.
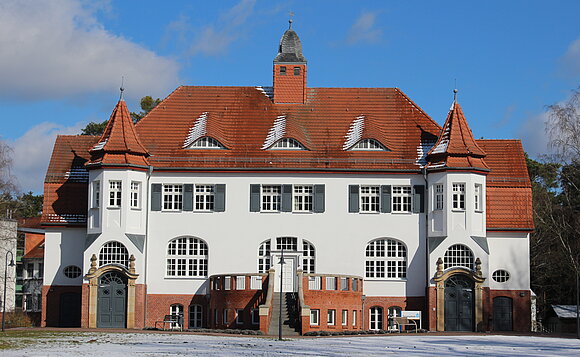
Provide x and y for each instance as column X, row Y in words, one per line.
column 110, row 344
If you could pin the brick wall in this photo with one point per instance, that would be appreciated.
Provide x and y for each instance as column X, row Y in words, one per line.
column 159, row 305
column 411, row 303
column 289, row 88
column 521, row 308
column 51, row 295
column 233, row 300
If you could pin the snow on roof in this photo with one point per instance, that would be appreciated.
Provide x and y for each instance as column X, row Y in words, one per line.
column 267, row 91
column 277, row 131
column 442, row 146
column 100, row 145
column 565, row 311
column 422, row 150
column 197, row 131
column 354, row 133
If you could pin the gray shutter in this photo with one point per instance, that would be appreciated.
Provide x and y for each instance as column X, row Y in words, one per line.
column 286, row 198
column 386, row 199
column 418, row 199
column 188, row 197
column 318, row 198
column 156, row 197
column 353, row 200
column 254, row 198
column 220, row 198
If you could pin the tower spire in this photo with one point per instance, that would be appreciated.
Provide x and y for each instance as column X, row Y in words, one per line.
column 291, row 14
column 122, row 89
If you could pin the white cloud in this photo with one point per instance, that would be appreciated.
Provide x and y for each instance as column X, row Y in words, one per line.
column 364, row 30
column 32, row 153
column 215, row 39
column 570, row 62
column 533, row 134
column 55, row 48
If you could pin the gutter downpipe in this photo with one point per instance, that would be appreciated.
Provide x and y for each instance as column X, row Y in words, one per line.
column 149, row 172
column 425, row 177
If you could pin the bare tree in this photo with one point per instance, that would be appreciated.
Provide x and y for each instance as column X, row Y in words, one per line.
column 563, row 128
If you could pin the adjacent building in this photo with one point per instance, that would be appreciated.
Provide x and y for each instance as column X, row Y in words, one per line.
column 373, row 208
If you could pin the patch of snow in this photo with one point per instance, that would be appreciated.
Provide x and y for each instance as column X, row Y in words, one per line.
column 442, row 146
column 267, row 91
column 100, row 145
column 277, row 131
column 354, row 133
column 172, row 344
column 422, row 151
column 197, row 130
column 565, row 311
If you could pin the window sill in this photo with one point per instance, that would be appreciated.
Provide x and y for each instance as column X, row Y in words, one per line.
column 457, row 210
column 386, row 279
column 478, row 211
column 186, row 277
column 114, row 207
column 402, row 212
column 135, row 208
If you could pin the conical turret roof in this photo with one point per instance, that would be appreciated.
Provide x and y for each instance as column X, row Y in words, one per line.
column 456, row 147
column 119, row 144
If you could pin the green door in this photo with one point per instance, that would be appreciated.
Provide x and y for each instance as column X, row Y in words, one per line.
column 458, row 303
column 111, row 301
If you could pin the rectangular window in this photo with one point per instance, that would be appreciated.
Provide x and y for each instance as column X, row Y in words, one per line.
column 477, row 197
column 204, row 197
column 296, row 71
column 115, row 193
column 330, row 283
column 402, row 198
column 369, row 199
column 331, row 317
column 228, row 283
column 354, row 284
column 226, row 321
column 40, row 270
column 255, row 316
column 172, row 197
column 239, row 316
column 438, row 196
column 344, row 284
column 240, row 283
column 271, row 198
column 215, row 316
column 30, row 270
column 96, row 194
column 314, row 317
column 27, row 302
column 287, row 243
column 282, row 70
column 354, row 317
column 135, row 194
column 459, row 196
column 344, row 317
column 303, row 198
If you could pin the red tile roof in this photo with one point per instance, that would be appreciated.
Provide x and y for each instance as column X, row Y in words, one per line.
column 456, row 147
column 119, row 144
column 241, row 119
column 509, row 190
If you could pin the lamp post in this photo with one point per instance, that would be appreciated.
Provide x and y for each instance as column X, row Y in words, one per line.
column 281, row 294
column 577, row 271
column 6, row 265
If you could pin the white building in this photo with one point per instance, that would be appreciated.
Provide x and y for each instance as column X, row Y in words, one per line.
column 375, row 207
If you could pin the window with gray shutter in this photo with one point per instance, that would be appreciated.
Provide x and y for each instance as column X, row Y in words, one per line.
column 386, row 199
column 188, row 197
column 286, row 198
column 254, row 198
column 353, row 198
column 220, row 198
column 156, row 197
column 318, row 198
column 418, row 199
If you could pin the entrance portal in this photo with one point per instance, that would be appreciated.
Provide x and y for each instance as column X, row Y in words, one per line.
column 111, row 301
column 288, row 274
column 459, row 303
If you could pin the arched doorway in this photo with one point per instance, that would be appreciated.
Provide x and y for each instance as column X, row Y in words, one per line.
column 459, row 303
column 502, row 313
column 376, row 318
column 112, row 300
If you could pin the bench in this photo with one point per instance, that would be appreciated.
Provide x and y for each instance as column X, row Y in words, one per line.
column 175, row 322
column 404, row 321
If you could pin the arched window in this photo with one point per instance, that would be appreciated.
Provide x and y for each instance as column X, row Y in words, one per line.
column 264, row 258
column 206, row 143
column 369, row 144
column 176, row 310
column 187, row 257
column 195, row 316
column 458, row 255
column 308, row 256
column 376, row 318
column 114, row 252
column 386, row 258
column 288, row 144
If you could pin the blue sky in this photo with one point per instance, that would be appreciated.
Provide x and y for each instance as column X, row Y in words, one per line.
column 61, row 61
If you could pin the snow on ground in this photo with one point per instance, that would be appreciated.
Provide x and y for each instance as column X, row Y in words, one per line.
column 145, row 344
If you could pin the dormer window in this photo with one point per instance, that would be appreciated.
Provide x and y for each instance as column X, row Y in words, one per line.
column 296, row 71
column 206, row 143
column 369, row 144
column 282, row 70
column 287, row 144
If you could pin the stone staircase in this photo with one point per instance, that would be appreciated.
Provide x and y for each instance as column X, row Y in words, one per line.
column 290, row 320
